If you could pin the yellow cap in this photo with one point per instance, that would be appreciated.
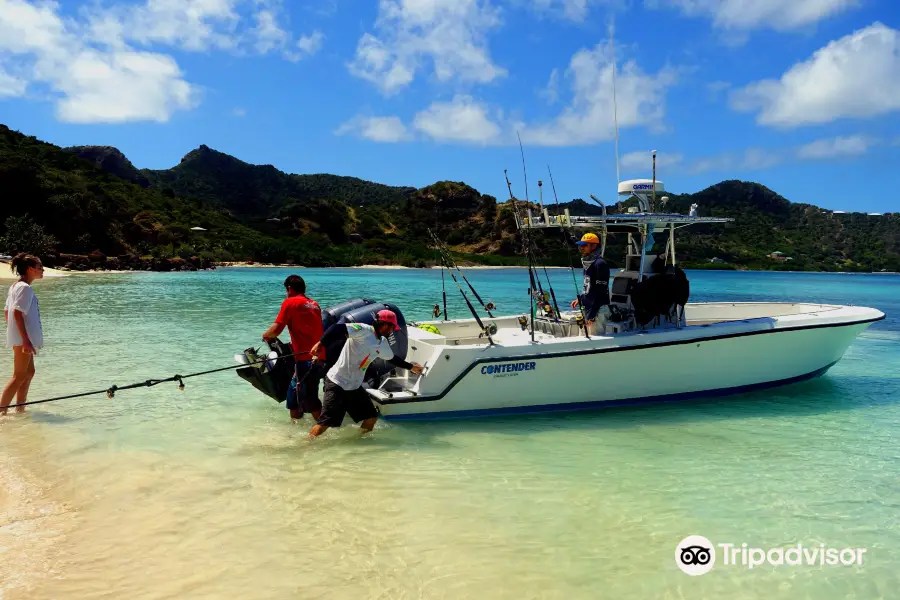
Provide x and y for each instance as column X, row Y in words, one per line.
column 588, row 238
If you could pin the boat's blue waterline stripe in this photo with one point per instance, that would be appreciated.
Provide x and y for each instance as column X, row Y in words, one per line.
column 572, row 406
column 698, row 340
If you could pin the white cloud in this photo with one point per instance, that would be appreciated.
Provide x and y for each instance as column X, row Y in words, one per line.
column 588, row 118
column 195, row 25
column 850, row 145
column 121, row 87
column 268, row 33
column 780, row 15
column 10, row 86
column 460, row 120
column 550, row 93
column 377, row 129
column 451, row 34
column 110, row 86
column 238, row 26
column 856, row 76
column 239, row 112
column 310, row 44
column 270, row 36
column 91, row 64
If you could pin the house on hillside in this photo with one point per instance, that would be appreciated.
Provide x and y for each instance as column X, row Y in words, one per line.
column 779, row 256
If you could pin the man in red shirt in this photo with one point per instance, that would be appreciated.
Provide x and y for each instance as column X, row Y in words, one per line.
column 303, row 319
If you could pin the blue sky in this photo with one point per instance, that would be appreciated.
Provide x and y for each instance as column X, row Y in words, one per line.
column 802, row 96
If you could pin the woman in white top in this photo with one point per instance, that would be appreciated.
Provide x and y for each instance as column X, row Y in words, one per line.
column 23, row 329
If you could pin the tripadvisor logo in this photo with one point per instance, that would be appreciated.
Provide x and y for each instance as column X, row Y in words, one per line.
column 696, row 555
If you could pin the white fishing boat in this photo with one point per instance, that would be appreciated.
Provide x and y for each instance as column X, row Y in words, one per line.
column 656, row 346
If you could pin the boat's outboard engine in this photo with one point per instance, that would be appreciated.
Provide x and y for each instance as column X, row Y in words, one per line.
column 398, row 340
column 272, row 377
column 331, row 314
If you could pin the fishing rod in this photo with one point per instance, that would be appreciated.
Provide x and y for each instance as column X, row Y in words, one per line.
column 443, row 282
column 555, row 310
column 444, row 292
column 569, row 256
column 525, row 243
column 530, row 248
column 550, row 287
column 449, row 258
column 465, row 297
column 111, row 391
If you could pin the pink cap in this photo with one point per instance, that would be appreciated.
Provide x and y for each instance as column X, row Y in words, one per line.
column 388, row 316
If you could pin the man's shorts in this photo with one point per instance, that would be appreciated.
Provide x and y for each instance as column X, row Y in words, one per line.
column 338, row 402
column 307, row 390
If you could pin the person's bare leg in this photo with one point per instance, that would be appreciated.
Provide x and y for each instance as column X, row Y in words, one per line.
column 368, row 425
column 22, row 392
column 20, row 374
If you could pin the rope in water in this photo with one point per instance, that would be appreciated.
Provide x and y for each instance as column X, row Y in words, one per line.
column 111, row 391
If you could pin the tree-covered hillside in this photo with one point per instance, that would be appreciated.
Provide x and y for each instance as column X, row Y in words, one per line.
column 211, row 206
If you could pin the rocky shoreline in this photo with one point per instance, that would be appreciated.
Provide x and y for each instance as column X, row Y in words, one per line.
column 97, row 261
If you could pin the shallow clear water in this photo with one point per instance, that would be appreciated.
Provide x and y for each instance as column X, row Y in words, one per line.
column 212, row 492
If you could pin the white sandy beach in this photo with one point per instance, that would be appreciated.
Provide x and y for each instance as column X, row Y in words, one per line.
column 7, row 275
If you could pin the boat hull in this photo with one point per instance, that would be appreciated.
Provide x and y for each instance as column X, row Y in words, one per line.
column 682, row 366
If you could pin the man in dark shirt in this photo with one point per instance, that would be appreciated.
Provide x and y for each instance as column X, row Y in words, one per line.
column 303, row 319
column 594, row 297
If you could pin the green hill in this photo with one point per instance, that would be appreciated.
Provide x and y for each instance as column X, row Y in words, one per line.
column 92, row 201
column 259, row 191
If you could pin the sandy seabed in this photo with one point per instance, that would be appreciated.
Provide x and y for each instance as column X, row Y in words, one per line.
column 32, row 523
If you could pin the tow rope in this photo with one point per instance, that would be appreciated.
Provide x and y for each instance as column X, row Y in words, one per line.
column 111, row 391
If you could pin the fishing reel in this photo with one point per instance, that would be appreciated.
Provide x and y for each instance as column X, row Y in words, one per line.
column 540, row 296
column 489, row 306
column 523, row 322
column 547, row 308
column 579, row 320
column 490, row 329
column 436, row 311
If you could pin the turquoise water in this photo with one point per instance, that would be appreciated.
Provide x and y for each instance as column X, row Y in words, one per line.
column 212, row 492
